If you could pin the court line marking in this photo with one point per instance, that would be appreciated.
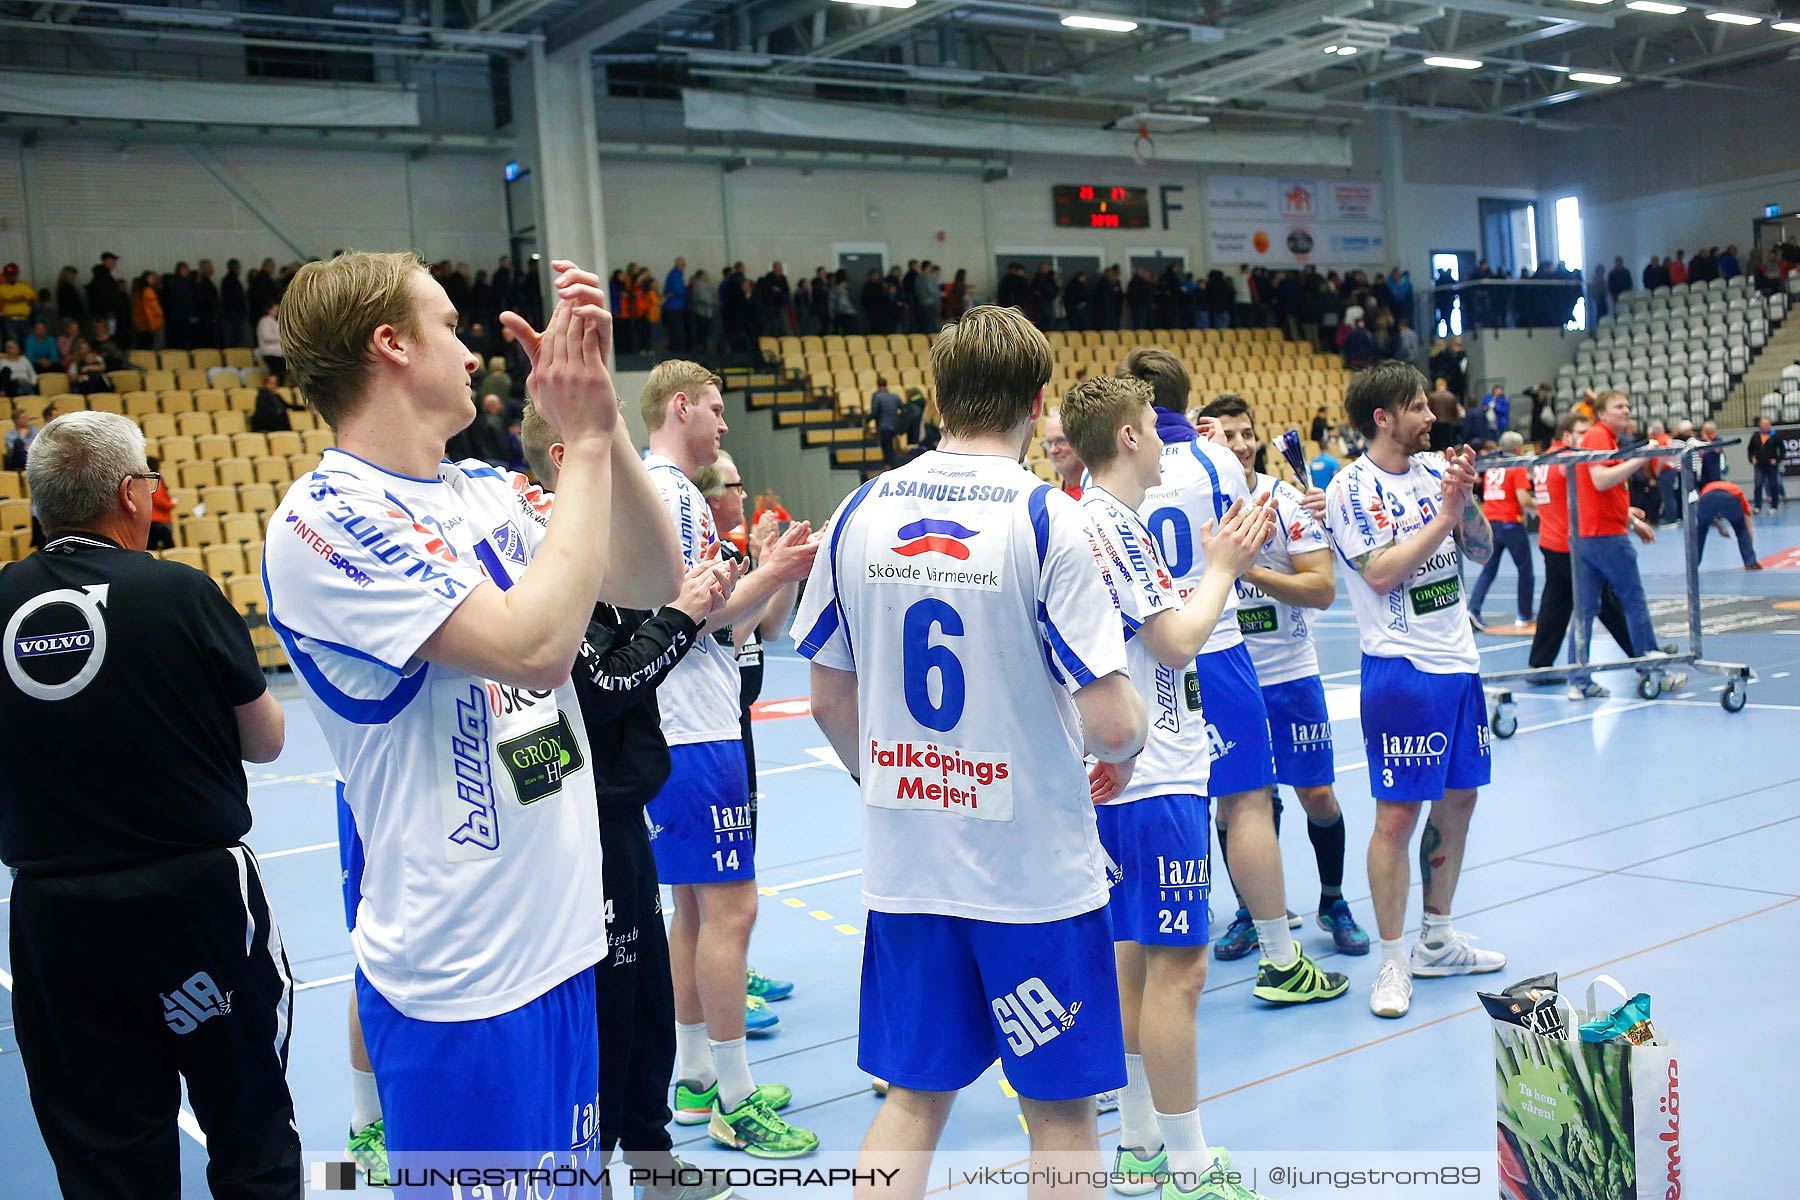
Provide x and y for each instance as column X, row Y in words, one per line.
column 1412, row 1029
column 805, row 766
column 319, row 983
column 800, row 883
column 331, row 845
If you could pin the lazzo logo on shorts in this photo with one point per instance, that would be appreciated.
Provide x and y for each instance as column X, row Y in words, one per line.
column 1310, row 735
column 1414, row 748
column 1031, row 1016
column 195, row 1002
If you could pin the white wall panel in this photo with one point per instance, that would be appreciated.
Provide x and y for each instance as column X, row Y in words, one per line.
column 12, row 208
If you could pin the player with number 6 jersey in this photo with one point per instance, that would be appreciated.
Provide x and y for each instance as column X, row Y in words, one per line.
column 960, row 672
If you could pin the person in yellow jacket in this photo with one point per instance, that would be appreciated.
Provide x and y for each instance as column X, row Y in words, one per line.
column 16, row 298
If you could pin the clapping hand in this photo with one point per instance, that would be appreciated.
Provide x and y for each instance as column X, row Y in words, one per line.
column 569, row 381
column 1231, row 543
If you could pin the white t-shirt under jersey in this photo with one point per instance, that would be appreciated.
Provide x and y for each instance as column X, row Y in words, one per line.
column 699, row 698
column 1277, row 634
column 1423, row 620
column 963, row 593
column 1200, row 479
column 474, row 800
column 1177, row 757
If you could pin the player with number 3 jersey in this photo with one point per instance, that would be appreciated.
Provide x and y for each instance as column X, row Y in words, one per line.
column 959, row 672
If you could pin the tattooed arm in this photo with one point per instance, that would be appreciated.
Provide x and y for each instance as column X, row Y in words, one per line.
column 1474, row 534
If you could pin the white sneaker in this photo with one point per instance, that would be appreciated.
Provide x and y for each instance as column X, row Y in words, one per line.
column 1392, row 994
column 1455, row 957
column 1106, row 1102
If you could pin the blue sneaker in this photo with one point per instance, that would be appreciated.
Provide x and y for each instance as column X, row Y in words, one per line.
column 1343, row 928
column 1238, row 940
column 758, row 1019
column 763, row 988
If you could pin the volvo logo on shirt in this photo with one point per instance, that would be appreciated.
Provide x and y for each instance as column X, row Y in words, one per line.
column 56, row 642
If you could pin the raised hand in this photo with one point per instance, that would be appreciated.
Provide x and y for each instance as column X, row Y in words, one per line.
column 791, row 555
column 1231, row 543
column 706, row 586
column 1210, row 429
column 1313, row 501
column 569, row 381
column 1458, row 483
column 763, row 535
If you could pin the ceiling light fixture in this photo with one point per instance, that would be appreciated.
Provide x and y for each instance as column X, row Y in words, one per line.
column 1731, row 18
column 1459, row 64
column 1593, row 1
column 1656, row 6
column 1592, row 77
column 879, row 3
column 1331, row 49
column 1346, row 51
column 1104, row 24
column 1787, row 26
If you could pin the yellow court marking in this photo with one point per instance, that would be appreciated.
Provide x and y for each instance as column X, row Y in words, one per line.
column 818, row 914
column 794, row 902
column 848, row 930
column 763, row 891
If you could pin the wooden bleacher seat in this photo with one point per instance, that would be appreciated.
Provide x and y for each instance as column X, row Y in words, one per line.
column 52, row 383
column 250, row 445
column 12, row 485
column 229, row 422
column 302, row 464
column 194, row 425
column 241, row 400
column 206, row 360
column 212, row 446
column 140, row 405
column 305, row 420
column 194, row 473
column 143, row 360
column 314, row 442
column 187, row 556
column 107, row 402
column 220, row 500
column 245, row 592
column 273, row 470
column 201, row 531
column 173, row 360
column 240, row 357
column 159, row 381
column 209, row 400
column 234, row 471
column 224, row 560
column 258, row 498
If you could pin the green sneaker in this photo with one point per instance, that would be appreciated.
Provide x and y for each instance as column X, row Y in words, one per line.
column 694, row 1105
column 754, row 1128
column 368, row 1146
column 1301, row 983
column 764, row 988
column 1217, row 1183
column 1135, row 1175
column 689, row 1183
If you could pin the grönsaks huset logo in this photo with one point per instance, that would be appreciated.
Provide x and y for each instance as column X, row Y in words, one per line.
column 538, row 761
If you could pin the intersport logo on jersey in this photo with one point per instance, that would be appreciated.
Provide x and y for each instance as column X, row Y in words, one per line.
column 926, row 775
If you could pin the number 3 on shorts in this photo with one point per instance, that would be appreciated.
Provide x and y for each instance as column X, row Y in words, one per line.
column 1387, row 776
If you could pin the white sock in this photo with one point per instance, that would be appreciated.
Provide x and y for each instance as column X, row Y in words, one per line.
column 735, row 1084
column 1188, row 1155
column 1277, row 943
column 365, row 1102
column 693, row 1055
column 1394, row 951
column 1436, row 930
column 1137, row 1113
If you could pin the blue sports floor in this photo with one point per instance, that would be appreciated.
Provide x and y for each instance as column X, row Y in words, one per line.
column 1656, row 841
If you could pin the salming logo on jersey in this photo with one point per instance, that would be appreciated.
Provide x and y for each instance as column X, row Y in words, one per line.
column 908, row 774
column 365, row 532
column 1031, row 1016
column 195, row 1002
column 475, row 808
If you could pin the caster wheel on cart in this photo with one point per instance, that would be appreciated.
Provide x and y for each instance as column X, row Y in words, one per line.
column 1735, row 696
column 1505, row 721
column 1649, row 686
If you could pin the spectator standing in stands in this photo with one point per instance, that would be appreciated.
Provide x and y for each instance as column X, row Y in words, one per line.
column 272, row 408
column 1677, row 268
column 961, row 298
column 178, row 307
column 1618, row 280
column 909, row 289
column 208, row 308
column 703, row 312
column 144, row 950
column 1014, row 290
column 675, row 308
column 774, row 302
column 1359, row 346
column 928, row 298
column 1655, row 274
column 1045, row 293
column 1498, row 410
column 1722, row 504
column 16, row 298
column 70, row 305
column 487, row 437
column 147, row 311
column 1505, row 498
column 106, row 300
column 1729, row 267
column 261, row 290
column 1712, row 462
column 1075, row 301
column 1602, row 550
column 816, row 311
column 1322, row 468
column 884, row 410
column 1407, row 346
column 1766, row 449
column 1110, row 298
column 1321, row 428
column 1061, row 452
column 268, row 341
column 876, row 306
column 234, row 306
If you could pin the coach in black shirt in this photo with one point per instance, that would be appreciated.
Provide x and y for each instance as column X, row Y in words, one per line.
column 627, row 653
column 142, row 944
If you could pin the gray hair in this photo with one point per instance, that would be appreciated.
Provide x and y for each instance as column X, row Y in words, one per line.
column 76, row 465
column 709, row 480
column 1511, row 440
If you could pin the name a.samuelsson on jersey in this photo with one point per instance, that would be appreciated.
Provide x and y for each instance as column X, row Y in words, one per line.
column 908, row 774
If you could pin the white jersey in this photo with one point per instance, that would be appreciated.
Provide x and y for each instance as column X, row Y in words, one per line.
column 1279, row 639
column 1200, row 479
column 699, row 698
column 474, row 800
column 963, row 593
column 1177, row 757
column 1423, row 620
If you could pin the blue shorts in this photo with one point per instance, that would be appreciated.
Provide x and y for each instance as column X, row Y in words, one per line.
column 350, row 857
column 1159, row 847
column 1300, row 725
column 942, row 996
column 523, row 1083
column 1423, row 733
column 700, row 825
column 1237, row 724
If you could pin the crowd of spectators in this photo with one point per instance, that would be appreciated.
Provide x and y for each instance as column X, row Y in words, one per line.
column 1770, row 272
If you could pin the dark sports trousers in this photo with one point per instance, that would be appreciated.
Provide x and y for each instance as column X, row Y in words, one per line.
column 634, row 997
column 1511, row 537
column 1723, row 506
column 128, row 981
column 1557, row 605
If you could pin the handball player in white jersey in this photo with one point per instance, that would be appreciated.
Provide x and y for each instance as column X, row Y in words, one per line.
column 1200, row 481
column 1155, row 828
column 1401, row 518
column 960, row 673
column 1292, row 575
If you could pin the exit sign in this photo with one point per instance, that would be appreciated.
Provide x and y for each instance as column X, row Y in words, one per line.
column 1771, row 210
